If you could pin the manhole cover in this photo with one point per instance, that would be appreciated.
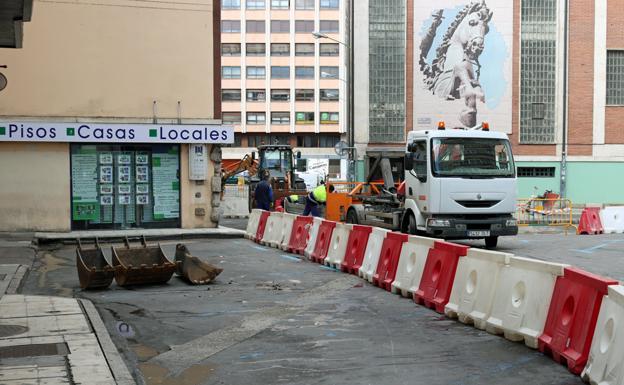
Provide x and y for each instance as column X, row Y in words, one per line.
column 34, row 350
column 11, row 330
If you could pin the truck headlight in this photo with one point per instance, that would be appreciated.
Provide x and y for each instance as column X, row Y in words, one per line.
column 439, row 223
column 511, row 223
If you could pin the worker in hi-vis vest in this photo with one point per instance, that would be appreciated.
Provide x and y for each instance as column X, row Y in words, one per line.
column 317, row 197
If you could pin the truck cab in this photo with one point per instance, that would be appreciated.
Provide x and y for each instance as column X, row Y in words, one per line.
column 460, row 184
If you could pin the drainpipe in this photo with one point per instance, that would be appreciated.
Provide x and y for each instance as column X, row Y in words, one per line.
column 564, row 145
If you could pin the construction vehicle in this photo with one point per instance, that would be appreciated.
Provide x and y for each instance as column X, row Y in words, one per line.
column 459, row 184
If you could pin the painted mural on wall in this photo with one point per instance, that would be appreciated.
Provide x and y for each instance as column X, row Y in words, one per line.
column 463, row 63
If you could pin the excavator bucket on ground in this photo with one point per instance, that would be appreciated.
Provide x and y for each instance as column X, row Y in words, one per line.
column 141, row 265
column 94, row 271
column 193, row 269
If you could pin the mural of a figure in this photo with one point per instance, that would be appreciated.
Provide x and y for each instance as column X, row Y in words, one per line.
column 454, row 72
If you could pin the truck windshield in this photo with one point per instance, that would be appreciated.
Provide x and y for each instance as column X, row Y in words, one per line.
column 471, row 158
column 277, row 162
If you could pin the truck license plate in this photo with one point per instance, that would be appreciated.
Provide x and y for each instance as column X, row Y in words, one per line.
column 479, row 233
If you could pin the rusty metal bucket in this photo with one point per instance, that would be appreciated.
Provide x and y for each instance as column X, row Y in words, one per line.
column 141, row 265
column 94, row 271
column 193, row 269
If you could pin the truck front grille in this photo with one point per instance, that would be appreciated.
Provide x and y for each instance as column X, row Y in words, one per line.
column 477, row 204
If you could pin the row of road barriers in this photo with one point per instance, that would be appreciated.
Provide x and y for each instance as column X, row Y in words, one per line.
column 596, row 220
column 575, row 317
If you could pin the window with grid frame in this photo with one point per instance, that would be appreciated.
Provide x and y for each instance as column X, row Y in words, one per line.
column 230, row 26
column 231, row 95
column 254, row 72
column 329, row 72
column 256, row 118
column 230, row 4
column 255, row 4
column 615, row 77
column 304, row 49
column 304, row 117
column 329, row 95
column 304, row 72
column 230, row 49
column 280, row 95
column 280, row 26
column 330, row 4
column 304, row 4
column 231, row 117
column 256, row 95
column 329, row 49
column 329, row 26
column 280, row 49
column 280, row 72
column 304, row 95
column 230, row 72
column 255, row 26
column 280, row 117
column 280, row 4
column 255, row 49
column 304, row 26
column 329, row 117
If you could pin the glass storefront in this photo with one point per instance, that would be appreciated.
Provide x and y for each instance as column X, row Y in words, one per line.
column 125, row 186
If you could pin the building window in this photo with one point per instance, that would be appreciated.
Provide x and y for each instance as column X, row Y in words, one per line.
column 280, row 26
column 280, row 49
column 304, row 72
column 280, row 95
column 255, row 26
column 230, row 26
column 329, row 49
column 386, row 35
column 280, row 117
column 538, row 67
column 231, row 117
column 329, row 118
column 231, row 95
column 256, row 118
column 228, row 72
column 304, row 4
column 280, row 72
column 329, row 95
column 230, row 49
column 536, row 172
column 255, row 4
column 256, row 72
column 329, row 26
column 256, row 49
column 259, row 140
column 330, row 4
column 304, row 26
column 304, row 117
column 237, row 141
column 615, row 78
column 329, row 72
column 230, row 4
column 317, row 140
column 304, row 49
column 280, row 4
column 256, row 95
column 304, row 95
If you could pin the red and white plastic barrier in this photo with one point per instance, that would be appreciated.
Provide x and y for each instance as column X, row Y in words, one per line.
column 252, row 223
column 356, row 246
column 371, row 255
column 411, row 265
column 285, row 231
column 316, row 225
column 273, row 229
column 299, row 235
column 262, row 221
column 321, row 247
column 338, row 245
column 612, row 218
column 474, row 288
column 389, row 260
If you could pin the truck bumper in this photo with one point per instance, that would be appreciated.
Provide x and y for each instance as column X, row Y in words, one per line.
column 471, row 227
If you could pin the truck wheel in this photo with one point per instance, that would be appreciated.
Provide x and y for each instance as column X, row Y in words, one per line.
column 352, row 217
column 491, row 242
column 411, row 225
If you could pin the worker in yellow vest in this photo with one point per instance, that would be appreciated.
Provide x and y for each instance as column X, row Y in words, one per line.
column 317, row 197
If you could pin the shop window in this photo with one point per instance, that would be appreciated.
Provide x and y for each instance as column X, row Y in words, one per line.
column 304, row 117
column 304, row 26
column 255, row 26
column 329, row 118
column 231, row 95
column 329, row 49
column 304, row 4
column 304, row 72
column 280, row 72
column 123, row 186
column 280, row 26
column 280, row 49
column 329, row 95
column 230, row 26
column 304, row 49
column 256, row 49
column 229, row 72
column 230, row 49
column 304, row 95
column 256, row 118
column 281, row 95
column 280, row 117
column 256, row 95
column 256, row 72
column 329, row 26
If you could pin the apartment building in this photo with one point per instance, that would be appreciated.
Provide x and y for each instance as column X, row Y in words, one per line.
column 280, row 83
column 549, row 73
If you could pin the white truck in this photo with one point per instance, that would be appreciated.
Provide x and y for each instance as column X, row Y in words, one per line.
column 459, row 184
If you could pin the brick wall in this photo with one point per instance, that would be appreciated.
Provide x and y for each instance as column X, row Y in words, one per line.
column 614, row 130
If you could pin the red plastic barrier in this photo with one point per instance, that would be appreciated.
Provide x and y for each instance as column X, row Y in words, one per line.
column 356, row 246
column 572, row 317
column 299, row 235
column 590, row 221
column 438, row 276
column 322, row 241
column 261, row 226
column 389, row 260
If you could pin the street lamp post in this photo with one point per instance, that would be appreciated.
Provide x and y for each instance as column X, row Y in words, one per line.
column 350, row 109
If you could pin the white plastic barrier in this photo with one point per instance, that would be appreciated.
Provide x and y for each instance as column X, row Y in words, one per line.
column 235, row 202
column 371, row 255
column 252, row 223
column 286, row 229
column 411, row 265
column 606, row 365
column 273, row 229
column 612, row 218
column 312, row 237
column 523, row 293
column 475, row 285
column 338, row 245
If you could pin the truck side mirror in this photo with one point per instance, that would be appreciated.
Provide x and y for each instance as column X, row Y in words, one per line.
column 298, row 154
column 253, row 155
column 302, row 165
column 409, row 161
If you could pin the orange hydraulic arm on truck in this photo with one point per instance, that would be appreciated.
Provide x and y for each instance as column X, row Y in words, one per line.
column 248, row 163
